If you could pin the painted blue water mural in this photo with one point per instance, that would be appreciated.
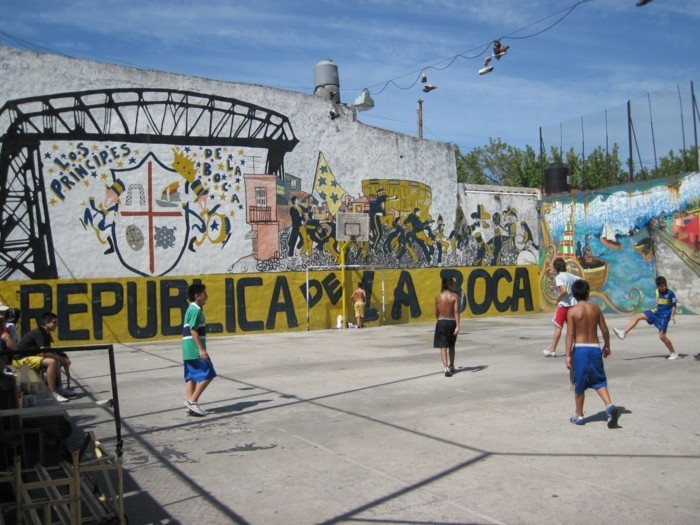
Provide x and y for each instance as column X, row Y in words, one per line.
column 628, row 270
column 628, row 210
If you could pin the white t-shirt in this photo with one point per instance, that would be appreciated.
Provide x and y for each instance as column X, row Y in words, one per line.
column 566, row 279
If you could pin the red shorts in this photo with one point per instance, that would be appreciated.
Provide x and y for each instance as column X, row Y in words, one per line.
column 559, row 318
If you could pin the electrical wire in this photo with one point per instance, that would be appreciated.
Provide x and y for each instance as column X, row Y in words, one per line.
column 471, row 54
column 483, row 47
column 41, row 47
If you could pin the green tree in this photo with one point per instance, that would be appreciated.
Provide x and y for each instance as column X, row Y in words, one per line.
column 504, row 165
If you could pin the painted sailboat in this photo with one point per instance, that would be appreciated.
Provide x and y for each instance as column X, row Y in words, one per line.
column 170, row 196
column 608, row 237
column 587, row 266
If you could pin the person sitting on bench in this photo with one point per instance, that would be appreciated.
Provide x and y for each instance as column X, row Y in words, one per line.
column 35, row 350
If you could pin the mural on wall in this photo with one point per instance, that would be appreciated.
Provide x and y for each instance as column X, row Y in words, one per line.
column 115, row 199
column 164, row 199
column 498, row 228
column 137, row 181
column 610, row 239
column 155, row 182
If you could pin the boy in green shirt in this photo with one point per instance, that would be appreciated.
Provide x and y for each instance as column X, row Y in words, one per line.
column 199, row 370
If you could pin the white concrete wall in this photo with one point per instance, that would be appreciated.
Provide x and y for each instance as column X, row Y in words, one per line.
column 354, row 152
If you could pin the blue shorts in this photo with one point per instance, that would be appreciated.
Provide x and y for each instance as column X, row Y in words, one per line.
column 658, row 321
column 199, row 370
column 588, row 368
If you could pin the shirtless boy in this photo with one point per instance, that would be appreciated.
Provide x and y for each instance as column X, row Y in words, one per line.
column 583, row 352
column 359, row 298
column 447, row 325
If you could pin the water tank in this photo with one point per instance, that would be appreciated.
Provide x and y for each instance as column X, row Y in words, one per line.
column 327, row 80
column 556, row 178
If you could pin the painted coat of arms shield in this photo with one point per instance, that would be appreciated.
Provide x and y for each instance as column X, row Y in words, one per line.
column 151, row 227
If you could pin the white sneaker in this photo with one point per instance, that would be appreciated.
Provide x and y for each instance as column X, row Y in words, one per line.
column 619, row 333
column 194, row 409
column 672, row 356
column 58, row 397
column 548, row 352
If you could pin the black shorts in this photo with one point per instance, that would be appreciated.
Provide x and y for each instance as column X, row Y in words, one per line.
column 445, row 333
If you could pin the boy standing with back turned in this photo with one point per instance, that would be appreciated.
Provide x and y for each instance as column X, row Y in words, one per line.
column 583, row 352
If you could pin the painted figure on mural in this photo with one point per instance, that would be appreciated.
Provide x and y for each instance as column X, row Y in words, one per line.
column 310, row 234
column 496, row 244
column 447, row 325
column 483, row 250
column 588, row 254
column 528, row 238
column 296, row 212
column 326, row 238
column 512, row 230
column 396, row 241
column 98, row 215
column 441, row 239
column 377, row 210
column 415, row 231
column 584, row 356
column 214, row 226
column 198, row 367
column 660, row 317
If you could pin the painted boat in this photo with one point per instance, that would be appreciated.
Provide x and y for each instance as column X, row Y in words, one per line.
column 595, row 271
column 608, row 237
column 645, row 248
column 592, row 269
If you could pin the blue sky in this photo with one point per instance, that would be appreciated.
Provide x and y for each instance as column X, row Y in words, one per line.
column 567, row 58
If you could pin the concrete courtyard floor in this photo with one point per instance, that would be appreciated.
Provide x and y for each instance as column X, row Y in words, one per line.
column 361, row 426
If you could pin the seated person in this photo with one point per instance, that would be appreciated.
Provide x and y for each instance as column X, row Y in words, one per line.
column 6, row 342
column 11, row 320
column 35, row 346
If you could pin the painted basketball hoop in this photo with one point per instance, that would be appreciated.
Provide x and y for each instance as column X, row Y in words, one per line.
column 352, row 226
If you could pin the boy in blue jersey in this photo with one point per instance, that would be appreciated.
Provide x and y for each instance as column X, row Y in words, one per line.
column 199, row 370
column 660, row 317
